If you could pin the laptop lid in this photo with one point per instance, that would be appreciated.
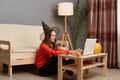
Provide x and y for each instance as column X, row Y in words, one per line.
column 89, row 46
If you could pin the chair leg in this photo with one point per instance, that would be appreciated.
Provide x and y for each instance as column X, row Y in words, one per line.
column 10, row 71
column 1, row 67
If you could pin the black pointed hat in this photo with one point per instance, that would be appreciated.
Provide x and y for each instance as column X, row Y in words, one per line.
column 46, row 29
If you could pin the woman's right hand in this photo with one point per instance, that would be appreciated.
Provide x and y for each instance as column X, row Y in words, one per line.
column 76, row 51
column 73, row 51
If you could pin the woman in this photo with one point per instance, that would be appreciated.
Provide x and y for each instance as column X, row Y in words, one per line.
column 46, row 58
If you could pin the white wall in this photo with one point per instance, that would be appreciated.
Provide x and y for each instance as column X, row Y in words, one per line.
column 118, row 31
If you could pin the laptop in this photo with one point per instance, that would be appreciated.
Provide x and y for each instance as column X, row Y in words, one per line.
column 89, row 46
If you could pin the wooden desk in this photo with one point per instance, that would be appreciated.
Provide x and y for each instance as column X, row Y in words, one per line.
column 80, row 66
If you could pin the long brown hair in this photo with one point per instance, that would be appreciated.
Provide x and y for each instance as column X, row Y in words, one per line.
column 47, row 41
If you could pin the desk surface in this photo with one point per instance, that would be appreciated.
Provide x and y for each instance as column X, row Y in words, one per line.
column 83, row 56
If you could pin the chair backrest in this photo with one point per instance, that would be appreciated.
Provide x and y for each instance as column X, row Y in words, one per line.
column 21, row 35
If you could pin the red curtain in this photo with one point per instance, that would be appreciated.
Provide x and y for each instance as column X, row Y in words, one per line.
column 103, row 26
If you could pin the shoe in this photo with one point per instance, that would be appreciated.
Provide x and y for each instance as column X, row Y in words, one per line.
column 66, row 76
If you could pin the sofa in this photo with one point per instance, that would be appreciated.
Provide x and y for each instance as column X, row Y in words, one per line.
column 18, row 44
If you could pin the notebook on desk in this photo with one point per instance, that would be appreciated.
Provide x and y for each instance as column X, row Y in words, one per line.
column 89, row 46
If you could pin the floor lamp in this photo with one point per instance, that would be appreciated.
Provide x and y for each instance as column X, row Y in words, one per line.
column 65, row 9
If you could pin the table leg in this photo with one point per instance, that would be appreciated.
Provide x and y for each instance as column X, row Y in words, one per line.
column 104, row 71
column 59, row 68
column 80, row 70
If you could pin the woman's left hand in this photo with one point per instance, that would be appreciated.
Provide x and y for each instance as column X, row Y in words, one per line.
column 75, row 51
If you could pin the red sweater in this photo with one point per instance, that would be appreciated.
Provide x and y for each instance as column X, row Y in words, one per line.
column 44, row 53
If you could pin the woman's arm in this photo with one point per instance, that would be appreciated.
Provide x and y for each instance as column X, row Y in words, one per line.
column 48, row 50
column 71, row 51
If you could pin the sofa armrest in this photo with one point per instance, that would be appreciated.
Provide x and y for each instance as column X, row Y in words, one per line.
column 5, row 46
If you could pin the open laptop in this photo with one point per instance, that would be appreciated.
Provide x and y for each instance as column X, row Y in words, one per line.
column 89, row 46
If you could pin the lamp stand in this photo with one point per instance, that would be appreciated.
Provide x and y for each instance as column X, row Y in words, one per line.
column 66, row 34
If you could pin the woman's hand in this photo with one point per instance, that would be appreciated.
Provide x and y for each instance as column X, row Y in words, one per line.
column 75, row 51
column 80, row 50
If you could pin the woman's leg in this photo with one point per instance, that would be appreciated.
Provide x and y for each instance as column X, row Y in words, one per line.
column 50, row 68
column 69, row 61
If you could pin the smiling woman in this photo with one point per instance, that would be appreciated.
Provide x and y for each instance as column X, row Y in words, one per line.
column 47, row 54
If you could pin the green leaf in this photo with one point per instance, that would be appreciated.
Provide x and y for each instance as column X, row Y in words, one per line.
column 75, row 22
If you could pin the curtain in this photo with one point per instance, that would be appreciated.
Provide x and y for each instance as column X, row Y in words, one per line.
column 102, row 25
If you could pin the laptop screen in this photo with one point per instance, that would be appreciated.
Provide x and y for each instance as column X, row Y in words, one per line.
column 89, row 46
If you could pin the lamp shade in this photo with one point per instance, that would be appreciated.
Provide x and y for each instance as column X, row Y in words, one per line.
column 65, row 8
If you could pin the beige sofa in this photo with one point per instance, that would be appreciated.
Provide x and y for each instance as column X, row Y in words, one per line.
column 18, row 44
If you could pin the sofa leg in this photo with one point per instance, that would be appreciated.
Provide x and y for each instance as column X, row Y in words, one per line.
column 1, row 67
column 10, row 71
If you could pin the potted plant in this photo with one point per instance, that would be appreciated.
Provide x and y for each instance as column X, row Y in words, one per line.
column 75, row 22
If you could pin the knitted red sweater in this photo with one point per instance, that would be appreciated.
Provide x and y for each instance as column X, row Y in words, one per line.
column 44, row 53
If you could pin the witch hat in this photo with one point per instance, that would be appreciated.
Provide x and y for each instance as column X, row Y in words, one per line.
column 46, row 29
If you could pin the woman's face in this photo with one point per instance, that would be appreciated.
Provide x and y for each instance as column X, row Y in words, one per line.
column 53, row 36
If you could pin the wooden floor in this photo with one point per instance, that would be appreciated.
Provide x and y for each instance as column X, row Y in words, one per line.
column 30, row 73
